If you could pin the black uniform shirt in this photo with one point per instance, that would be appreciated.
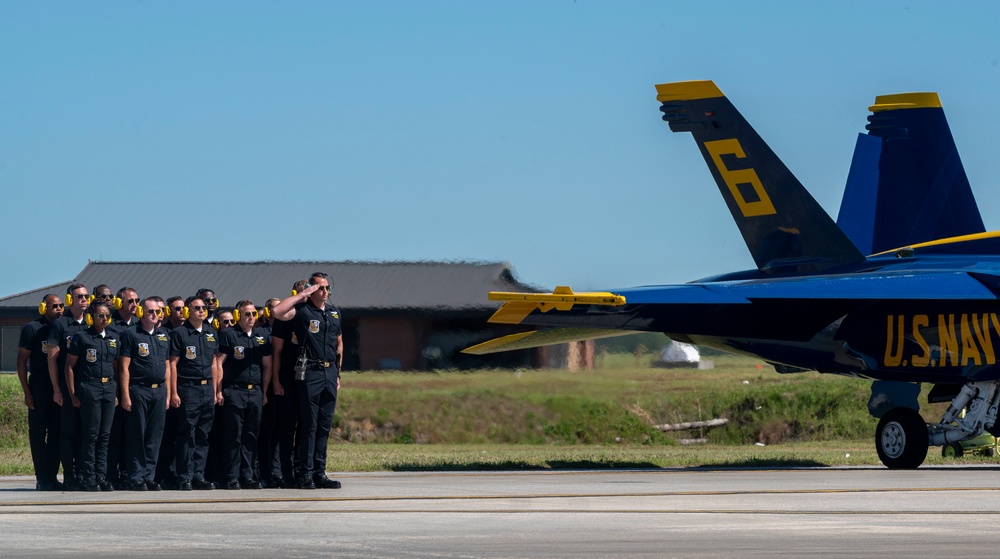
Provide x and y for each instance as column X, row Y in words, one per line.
column 119, row 326
column 318, row 330
column 244, row 353
column 62, row 332
column 195, row 351
column 35, row 338
column 95, row 355
column 148, row 354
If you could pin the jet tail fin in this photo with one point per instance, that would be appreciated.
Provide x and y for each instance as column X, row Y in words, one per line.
column 786, row 230
column 907, row 184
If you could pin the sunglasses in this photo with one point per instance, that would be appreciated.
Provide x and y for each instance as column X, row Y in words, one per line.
column 210, row 300
column 198, row 308
column 57, row 306
column 178, row 309
column 251, row 313
column 132, row 301
column 102, row 316
column 105, row 296
column 324, row 288
column 82, row 295
column 227, row 321
column 153, row 311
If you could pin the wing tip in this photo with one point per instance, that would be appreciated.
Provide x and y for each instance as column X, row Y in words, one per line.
column 688, row 90
column 918, row 100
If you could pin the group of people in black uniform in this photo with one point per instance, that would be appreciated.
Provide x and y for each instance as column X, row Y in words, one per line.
column 150, row 394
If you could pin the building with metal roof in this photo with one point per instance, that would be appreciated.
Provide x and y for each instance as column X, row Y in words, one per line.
column 397, row 315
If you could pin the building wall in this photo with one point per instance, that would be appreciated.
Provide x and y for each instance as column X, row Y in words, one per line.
column 10, row 334
column 391, row 343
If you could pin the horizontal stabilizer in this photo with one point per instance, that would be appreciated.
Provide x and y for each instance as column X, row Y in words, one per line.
column 926, row 286
column 539, row 338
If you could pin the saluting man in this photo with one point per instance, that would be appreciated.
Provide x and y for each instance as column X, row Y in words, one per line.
column 144, row 354
column 316, row 323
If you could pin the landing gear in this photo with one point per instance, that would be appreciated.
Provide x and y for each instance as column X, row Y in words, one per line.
column 901, row 439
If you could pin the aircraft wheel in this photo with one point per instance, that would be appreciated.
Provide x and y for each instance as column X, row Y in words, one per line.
column 953, row 450
column 901, row 439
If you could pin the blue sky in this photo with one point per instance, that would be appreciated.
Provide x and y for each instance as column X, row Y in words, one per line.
column 526, row 132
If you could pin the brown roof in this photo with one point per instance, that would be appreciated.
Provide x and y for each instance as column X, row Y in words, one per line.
column 357, row 285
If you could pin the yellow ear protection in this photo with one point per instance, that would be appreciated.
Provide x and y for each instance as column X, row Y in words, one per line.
column 216, row 324
column 118, row 303
column 266, row 313
column 43, row 308
column 139, row 312
column 89, row 319
column 294, row 293
column 187, row 312
column 236, row 315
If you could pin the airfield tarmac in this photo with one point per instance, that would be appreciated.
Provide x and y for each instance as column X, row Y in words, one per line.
column 932, row 511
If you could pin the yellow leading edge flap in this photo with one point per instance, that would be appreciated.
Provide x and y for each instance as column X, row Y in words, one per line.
column 520, row 305
column 538, row 338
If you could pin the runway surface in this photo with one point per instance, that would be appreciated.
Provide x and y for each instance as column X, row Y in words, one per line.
column 929, row 512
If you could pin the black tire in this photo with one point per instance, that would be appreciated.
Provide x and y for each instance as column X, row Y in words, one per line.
column 952, row 450
column 901, row 439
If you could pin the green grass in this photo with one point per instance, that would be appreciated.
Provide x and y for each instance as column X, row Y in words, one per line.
column 602, row 418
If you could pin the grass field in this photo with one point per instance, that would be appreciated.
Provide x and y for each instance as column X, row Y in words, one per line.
column 601, row 418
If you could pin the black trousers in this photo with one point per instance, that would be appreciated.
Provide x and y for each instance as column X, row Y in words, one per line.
column 43, row 430
column 144, row 431
column 285, row 464
column 267, row 439
column 241, row 414
column 97, row 409
column 317, row 402
column 165, row 462
column 116, row 447
column 69, row 439
column 194, row 423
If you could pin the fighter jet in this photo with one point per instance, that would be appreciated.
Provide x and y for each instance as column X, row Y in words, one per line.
column 919, row 311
